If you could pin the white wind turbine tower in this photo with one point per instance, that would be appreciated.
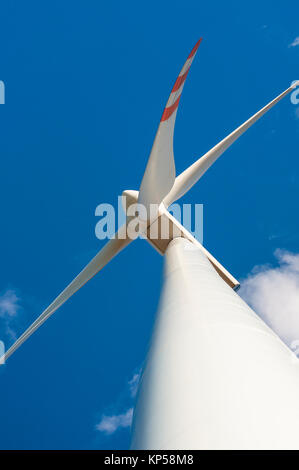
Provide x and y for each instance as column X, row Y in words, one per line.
column 216, row 377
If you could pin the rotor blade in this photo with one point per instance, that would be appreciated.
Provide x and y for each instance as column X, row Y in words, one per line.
column 111, row 249
column 191, row 175
column 159, row 174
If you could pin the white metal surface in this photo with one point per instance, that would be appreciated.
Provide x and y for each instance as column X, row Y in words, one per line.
column 159, row 175
column 216, row 377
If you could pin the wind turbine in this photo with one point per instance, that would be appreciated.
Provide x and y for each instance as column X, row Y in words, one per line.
column 175, row 408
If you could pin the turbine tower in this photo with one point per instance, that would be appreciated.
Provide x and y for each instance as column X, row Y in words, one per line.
column 216, row 377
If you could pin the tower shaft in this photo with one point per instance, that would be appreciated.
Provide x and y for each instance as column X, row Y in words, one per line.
column 216, row 376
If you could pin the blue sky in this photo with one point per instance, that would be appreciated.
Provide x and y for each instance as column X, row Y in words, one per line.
column 86, row 83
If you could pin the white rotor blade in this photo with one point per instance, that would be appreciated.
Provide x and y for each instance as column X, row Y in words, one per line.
column 111, row 249
column 191, row 175
column 159, row 174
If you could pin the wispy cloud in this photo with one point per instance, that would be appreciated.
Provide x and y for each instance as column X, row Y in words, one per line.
column 9, row 304
column 273, row 292
column 115, row 420
column 133, row 384
column 9, row 309
column 295, row 42
column 110, row 424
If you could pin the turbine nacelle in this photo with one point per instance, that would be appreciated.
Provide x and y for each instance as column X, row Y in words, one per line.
column 134, row 208
column 144, row 221
column 129, row 197
column 162, row 229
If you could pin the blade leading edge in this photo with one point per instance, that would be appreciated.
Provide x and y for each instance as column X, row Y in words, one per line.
column 159, row 174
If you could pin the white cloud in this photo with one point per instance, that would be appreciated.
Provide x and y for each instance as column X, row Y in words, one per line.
column 133, row 384
column 273, row 292
column 110, row 424
column 9, row 308
column 9, row 304
column 295, row 42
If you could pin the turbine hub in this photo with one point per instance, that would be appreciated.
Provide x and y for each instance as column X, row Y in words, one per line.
column 129, row 197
